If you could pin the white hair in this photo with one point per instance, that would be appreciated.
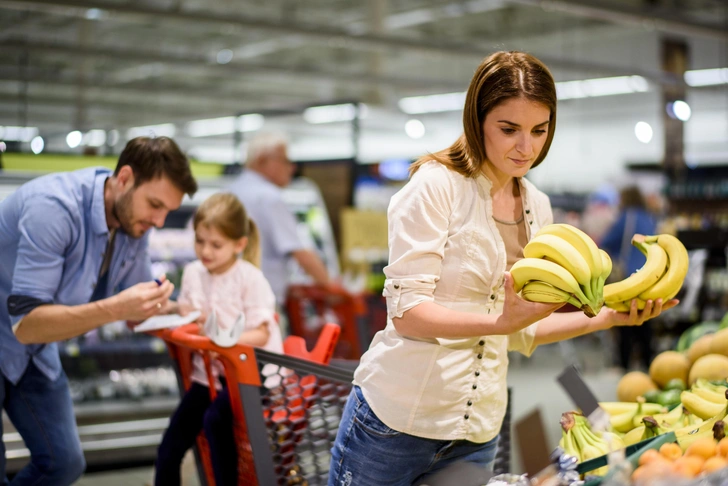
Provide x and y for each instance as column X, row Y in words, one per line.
column 263, row 144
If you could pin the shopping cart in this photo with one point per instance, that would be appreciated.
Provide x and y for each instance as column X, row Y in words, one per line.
column 309, row 306
column 286, row 410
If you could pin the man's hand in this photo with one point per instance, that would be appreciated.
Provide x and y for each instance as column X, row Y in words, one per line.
column 142, row 301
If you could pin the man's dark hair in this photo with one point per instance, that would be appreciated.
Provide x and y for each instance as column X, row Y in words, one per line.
column 151, row 158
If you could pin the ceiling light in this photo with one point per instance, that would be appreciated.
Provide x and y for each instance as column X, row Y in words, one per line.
column 437, row 103
column 681, row 110
column 590, row 88
column 37, row 144
column 706, row 77
column 74, row 138
column 224, row 56
column 414, row 129
column 3, row 147
column 333, row 113
column 161, row 130
column 112, row 137
column 224, row 125
column 94, row 138
column 643, row 132
column 18, row 134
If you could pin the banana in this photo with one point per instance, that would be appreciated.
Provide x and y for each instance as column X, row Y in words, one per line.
column 709, row 395
column 670, row 418
column 687, row 435
column 536, row 291
column 616, row 408
column 626, row 306
column 560, row 251
column 623, row 422
column 606, row 270
column 669, row 285
column 528, row 269
column 643, row 278
column 700, row 406
column 634, row 436
column 579, row 240
column 708, row 385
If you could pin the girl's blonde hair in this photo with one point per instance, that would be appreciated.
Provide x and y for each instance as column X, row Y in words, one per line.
column 226, row 213
column 500, row 77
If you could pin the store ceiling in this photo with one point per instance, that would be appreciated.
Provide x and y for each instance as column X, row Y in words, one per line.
column 119, row 63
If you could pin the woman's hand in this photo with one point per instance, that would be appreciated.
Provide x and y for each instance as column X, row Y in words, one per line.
column 519, row 313
column 636, row 317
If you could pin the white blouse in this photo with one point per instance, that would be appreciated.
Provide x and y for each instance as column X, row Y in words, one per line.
column 444, row 247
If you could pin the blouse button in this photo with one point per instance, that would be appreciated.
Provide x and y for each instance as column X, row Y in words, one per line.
column 466, row 416
column 470, row 403
column 475, row 387
column 528, row 211
column 480, row 356
column 481, row 343
column 396, row 286
column 477, row 373
column 492, row 297
column 530, row 222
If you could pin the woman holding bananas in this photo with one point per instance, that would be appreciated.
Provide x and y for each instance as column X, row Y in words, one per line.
column 431, row 389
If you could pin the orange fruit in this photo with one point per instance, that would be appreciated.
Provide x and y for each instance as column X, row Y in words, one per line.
column 648, row 456
column 671, row 451
column 715, row 463
column 704, row 447
column 723, row 447
column 689, row 466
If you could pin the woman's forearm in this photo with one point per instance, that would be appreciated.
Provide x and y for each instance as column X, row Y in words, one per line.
column 567, row 325
column 431, row 320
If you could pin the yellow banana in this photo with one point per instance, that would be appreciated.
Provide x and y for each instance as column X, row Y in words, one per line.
column 560, row 251
column 528, row 269
column 643, row 278
column 670, row 418
column 625, row 306
column 711, row 396
column 579, row 240
column 616, row 408
column 688, row 435
column 606, row 270
column 669, row 285
column 536, row 291
column 700, row 406
column 633, row 436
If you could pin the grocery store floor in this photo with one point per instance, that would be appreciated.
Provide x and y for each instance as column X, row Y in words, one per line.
column 533, row 382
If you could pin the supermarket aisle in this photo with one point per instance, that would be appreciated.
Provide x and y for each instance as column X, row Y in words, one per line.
column 534, row 385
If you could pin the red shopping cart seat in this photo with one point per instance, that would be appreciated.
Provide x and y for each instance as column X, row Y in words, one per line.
column 323, row 351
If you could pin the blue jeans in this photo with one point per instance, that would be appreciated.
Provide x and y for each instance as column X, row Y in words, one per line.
column 367, row 452
column 42, row 412
column 196, row 413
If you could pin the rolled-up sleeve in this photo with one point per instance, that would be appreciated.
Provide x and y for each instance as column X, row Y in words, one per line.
column 46, row 231
column 523, row 341
column 418, row 221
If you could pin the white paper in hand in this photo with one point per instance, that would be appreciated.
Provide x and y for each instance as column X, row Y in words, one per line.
column 167, row 321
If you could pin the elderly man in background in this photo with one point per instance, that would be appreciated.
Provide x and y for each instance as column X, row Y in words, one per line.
column 260, row 187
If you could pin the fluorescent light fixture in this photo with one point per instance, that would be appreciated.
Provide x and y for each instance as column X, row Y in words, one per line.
column 643, row 132
column 224, row 125
column 37, row 144
column 706, row 77
column 94, row 138
column 681, row 110
column 333, row 113
column 224, row 56
column 3, row 147
column 414, row 129
column 161, row 130
column 437, row 103
column 73, row 139
column 590, row 88
column 113, row 137
column 18, row 134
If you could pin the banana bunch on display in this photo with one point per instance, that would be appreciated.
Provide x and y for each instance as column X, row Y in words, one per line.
column 661, row 277
column 563, row 264
column 705, row 399
column 578, row 440
column 712, row 427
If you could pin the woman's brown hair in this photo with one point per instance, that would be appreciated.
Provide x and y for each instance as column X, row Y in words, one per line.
column 226, row 213
column 500, row 77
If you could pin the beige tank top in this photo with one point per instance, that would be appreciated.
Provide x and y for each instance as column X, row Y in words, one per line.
column 514, row 237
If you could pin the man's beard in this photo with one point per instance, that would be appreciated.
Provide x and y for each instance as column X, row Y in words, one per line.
column 123, row 213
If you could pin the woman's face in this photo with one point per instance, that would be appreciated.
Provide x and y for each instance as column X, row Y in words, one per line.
column 515, row 131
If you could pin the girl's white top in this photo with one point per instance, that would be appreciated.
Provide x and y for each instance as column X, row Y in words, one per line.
column 444, row 247
column 241, row 289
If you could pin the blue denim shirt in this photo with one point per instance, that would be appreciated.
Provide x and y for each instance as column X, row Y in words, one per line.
column 53, row 236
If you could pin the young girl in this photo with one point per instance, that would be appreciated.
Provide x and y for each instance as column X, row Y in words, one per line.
column 231, row 289
column 431, row 389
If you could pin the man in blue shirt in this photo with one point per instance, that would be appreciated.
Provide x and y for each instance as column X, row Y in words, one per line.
column 74, row 257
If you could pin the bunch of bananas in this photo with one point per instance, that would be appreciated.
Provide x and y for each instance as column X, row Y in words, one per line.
column 705, row 399
column 578, row 440
column 712, row 427
column 661, row 277
column 563, row 264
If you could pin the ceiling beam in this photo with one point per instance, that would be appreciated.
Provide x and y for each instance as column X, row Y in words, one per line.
column 343, row 37
column 661, row 19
